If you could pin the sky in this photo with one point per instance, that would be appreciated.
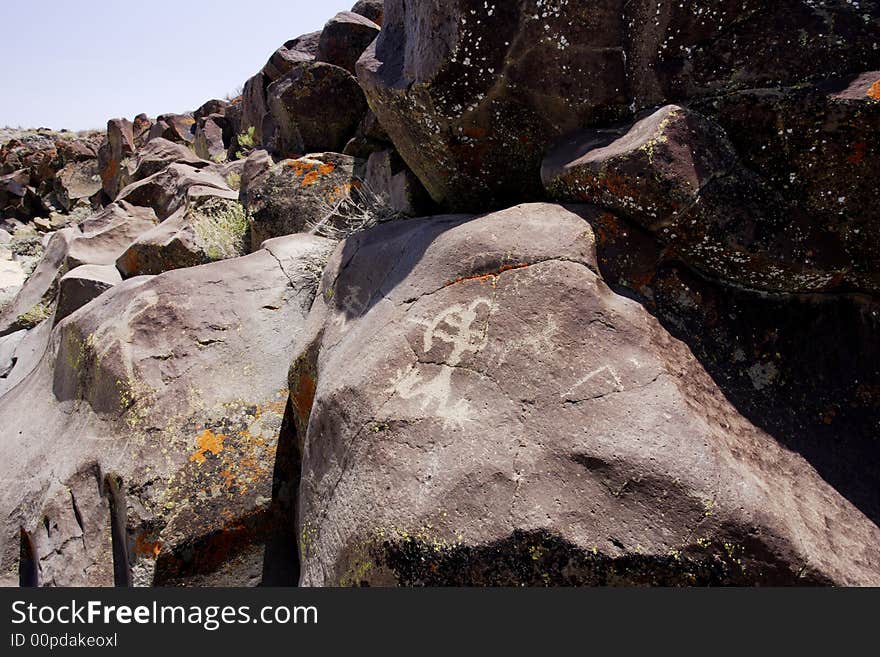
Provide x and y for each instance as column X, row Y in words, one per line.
column 76, row 63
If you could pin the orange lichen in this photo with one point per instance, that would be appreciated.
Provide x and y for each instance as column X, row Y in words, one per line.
column 144, row 547
column 310, row 179
column 207, row 442
column 304, row 396
column 874, row 91
column 326, row 169
column 491, row 277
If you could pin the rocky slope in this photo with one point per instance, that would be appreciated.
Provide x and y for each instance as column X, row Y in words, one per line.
column 250, row 345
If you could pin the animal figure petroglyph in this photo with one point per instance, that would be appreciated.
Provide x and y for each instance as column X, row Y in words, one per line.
column 455, row 327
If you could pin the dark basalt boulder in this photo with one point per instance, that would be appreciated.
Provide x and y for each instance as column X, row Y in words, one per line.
column 514, row 421
column 473, row 102
column 345, row 38
column 316, row 107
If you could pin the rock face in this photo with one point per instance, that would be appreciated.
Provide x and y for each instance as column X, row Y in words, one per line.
column 316, row 107
column 472, row 95
column 514, row 421
column 144, row 441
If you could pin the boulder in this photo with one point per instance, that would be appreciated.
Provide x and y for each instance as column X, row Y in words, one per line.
column 179, row 128
column 141, row 127
column 345, row 38
column 155, row 156
column 207, row 229
column 371, row 9
column 297, row 195
column 805, row 225
column 114, row 153
column 305, row 43
column 82, row 285
column 209, row 143
column 316, row 107
column 106, row 236
column 161, row 455
column 77, row 181
column 214, row 106
column 473, row 103
column 170, row 189
column 513, row 421
column 648, row 171
column 12, row 278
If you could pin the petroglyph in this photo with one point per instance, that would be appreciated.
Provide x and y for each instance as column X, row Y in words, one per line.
column 455, row 327
column 598, row 383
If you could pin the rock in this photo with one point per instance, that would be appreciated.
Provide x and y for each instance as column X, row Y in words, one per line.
column 282, row 62
column 141, row 127
column 345, row 38
column 155, row 156
column 169, row 190
column 209, row 141
column 162, row 419
column 77, row 181
column 305, row 43
column 178, row 128
column 316, row 107
column 253, row 107
column 35, row 301
column 108, row 234
column 488, row 435
column 473, row 102
column 802, row 227
column 214, row 106
column 82, row 285
column 296, row 195
column 114, row 154
column 389, row 179
column 648, row 172
column 371, row 9
column 409, row 196
column 256, row 164
column 209, row 228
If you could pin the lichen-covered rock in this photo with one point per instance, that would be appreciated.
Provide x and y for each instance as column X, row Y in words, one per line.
column 472, row 93
column 208, row 229
column 513, row 421
column 345, row 38
column 294, row 196
column 316, row 107
column 160, row 454
column 795, row 214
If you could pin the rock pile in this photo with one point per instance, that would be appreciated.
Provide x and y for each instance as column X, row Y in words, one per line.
column 250, row 344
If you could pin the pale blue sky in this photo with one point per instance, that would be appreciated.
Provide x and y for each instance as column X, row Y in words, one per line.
column 75, row 63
